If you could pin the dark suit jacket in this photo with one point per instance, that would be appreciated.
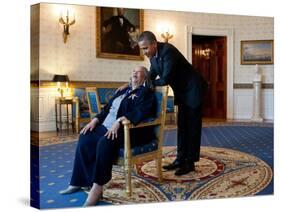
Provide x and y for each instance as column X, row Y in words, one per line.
column 174, row 70
column 137, row 106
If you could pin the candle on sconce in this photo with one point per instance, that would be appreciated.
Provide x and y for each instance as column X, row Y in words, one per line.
column 66, row 22
column 166, row 29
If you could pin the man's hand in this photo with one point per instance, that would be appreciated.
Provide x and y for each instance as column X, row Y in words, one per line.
column 122, row 87
column 90, row 126
column 112, row 133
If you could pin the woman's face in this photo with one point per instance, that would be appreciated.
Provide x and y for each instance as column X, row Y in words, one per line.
column 138, row 76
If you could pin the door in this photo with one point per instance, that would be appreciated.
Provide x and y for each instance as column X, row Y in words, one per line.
column 209, row 57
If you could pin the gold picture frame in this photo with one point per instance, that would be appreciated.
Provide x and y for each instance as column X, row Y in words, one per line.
column 116, row 38
column 257, row 52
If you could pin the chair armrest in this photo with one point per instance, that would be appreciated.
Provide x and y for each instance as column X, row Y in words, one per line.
column 142, row 124
column 75, row 99
column 126, row 122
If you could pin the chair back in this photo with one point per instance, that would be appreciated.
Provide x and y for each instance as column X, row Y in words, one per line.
column 105, row 94
column 161, row 93
column 158, row 124
column 170, row 104
column 83, row 112
column 93, row 101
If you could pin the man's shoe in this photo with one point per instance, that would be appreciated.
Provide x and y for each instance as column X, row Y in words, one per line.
column 185, row 169
column 172, row 166
column 71, row 189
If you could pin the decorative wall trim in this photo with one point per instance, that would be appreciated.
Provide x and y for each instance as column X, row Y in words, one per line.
column 77, row 84
column 83, row 84
column 250, row 86
column 267, row 86
column 228, row 32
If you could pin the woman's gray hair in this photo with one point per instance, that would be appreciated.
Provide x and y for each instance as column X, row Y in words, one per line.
column 147, row 80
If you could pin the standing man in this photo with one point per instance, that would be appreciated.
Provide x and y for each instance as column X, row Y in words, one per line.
column 188, row 85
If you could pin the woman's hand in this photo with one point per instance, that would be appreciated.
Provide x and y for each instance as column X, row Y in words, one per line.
column 121, row 88
column 90, row 126
column 112, row 133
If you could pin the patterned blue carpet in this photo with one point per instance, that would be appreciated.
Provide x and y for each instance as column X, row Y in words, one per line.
column 55, row 162
column 257, row 141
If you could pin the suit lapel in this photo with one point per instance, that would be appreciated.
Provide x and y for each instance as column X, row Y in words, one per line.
column 159, row 60
column 131, row 92
column 154, row 64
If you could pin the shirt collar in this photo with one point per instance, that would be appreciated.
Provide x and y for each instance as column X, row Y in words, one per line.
column 156, row 55
column 130, row 87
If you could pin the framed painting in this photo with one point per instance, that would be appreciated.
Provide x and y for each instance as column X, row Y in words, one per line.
column 257, row 52
column 117, row 32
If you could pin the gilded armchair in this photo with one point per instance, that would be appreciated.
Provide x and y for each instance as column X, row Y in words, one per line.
column 80, row 110
column 130, row 156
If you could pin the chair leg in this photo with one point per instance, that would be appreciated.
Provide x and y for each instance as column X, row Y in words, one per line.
column 127, row 160
column 176, row 114
column 77, row 126
column 128, row 179
column 159, row 167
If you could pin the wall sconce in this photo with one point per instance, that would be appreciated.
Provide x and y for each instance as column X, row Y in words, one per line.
column 61, row 79
column 167, row 36
column 66, row 24
column 206, row 53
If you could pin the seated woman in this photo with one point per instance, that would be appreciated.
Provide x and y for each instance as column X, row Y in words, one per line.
column 101, row 139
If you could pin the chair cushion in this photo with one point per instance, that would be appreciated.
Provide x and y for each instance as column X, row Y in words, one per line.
column 85, row 115
column 148, row 120
column 137, row 150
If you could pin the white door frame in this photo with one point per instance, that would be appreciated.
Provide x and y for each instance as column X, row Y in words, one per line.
column 228, row 32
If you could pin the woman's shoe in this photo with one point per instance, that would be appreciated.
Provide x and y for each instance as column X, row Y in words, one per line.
column 71, row 189
column 86, row 188
column 93, row 201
